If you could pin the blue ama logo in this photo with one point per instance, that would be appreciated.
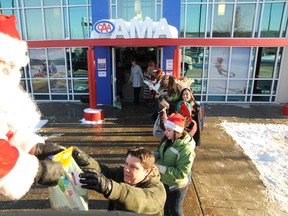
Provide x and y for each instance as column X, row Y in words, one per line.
column 104, row 27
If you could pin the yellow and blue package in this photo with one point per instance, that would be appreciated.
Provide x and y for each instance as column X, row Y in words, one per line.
column 68, row 194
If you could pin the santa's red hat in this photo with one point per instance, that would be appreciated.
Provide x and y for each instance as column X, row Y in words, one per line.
column 12, row 49
column 176, row 122
column 184, row 109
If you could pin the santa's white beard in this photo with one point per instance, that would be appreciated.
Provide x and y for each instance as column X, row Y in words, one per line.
column 17, row 109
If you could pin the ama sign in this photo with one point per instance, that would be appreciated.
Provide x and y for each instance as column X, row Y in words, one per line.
column 134, row 29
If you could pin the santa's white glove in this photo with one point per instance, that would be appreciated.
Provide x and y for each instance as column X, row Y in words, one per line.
column 162, row 169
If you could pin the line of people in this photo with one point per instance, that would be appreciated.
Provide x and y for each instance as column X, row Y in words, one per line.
column 153, row 183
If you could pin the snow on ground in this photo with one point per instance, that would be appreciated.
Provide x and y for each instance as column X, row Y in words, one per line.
column 267, row 147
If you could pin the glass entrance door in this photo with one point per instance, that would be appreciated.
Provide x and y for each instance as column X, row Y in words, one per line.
column 121, row 68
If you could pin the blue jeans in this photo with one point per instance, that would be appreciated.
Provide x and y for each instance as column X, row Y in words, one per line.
column 174, row 200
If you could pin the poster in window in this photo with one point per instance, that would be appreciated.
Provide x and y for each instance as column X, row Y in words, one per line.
column 220, row 71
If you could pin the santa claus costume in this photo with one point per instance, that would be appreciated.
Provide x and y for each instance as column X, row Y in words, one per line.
column 18, row 117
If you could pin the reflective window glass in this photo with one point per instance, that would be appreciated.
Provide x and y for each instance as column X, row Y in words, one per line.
column 209, row 21
column 113, row 16
column 262, row 86
column 182, row 21
column 275, row 86
column 80, row 86
column 40, row 86
column 198, row 61
column 216, row 98
column 195, row 20
column 219, row 62
column 58, row 85
column 244, row 19
column 7, row 4
column 77, row 29
column 38, row 64
column 59, row 97
column 217, row 86
column 23, row 84
column 223, row 16
column 128, row 9
column 158, row 13
column 34, row 3
column 260, row 98
column 197, row 86
column 237, row 87
column 236, row 98
column 79, row 62
column 240, row 60
column 279, row 60
column 53, row 23
column 271, row 20
column 76, row 2
column 34, row 24
column 41, row 97
column 268, row 57
column 51, row 2
column 56, row 63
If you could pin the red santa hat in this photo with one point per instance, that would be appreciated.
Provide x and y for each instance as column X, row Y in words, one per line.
column 13, row 49
column 176, row 122
column 184, row 109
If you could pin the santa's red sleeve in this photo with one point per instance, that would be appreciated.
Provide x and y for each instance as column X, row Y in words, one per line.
column 17, row 170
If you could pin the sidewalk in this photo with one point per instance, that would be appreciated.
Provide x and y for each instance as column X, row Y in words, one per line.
column 219, row 186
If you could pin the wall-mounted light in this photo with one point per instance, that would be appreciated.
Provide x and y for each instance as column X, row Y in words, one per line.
column 221, row 8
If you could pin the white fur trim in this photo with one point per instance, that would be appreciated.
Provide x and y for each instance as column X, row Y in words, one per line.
column 19, row 180
column 3, row 131
column 13, row 50
column 173, row 126
column 26, row 140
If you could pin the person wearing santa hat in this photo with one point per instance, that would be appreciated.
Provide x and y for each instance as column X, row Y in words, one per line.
column 187, row 96
column 22, row 151
column 185, row 109
column 174, row 159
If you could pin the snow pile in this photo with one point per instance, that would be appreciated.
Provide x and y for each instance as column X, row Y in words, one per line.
column 267, row 147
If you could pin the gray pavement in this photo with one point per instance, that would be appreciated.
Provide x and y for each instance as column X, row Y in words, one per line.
column 225, row 181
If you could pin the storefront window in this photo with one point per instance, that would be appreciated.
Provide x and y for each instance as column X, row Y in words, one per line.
column 77, row 29
column 237, row 87
column 285, row 25
column 34, row 24
column 58, row 86
column 240, row 62
column 52, row 2
column 40, row 86
column 223, row 17
column 128, row 9
column 195, row 20
column 217, row 86
column 53, row 23
column 76, row 2
column 219, row 63
column 80, row 86
column 268, row 58
column 271, row 20
column 34, row 3
column 244, row 19
column 56, row 62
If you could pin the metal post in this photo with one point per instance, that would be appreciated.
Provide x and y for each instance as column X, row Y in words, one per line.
column 177, row 62
column 92, row 78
